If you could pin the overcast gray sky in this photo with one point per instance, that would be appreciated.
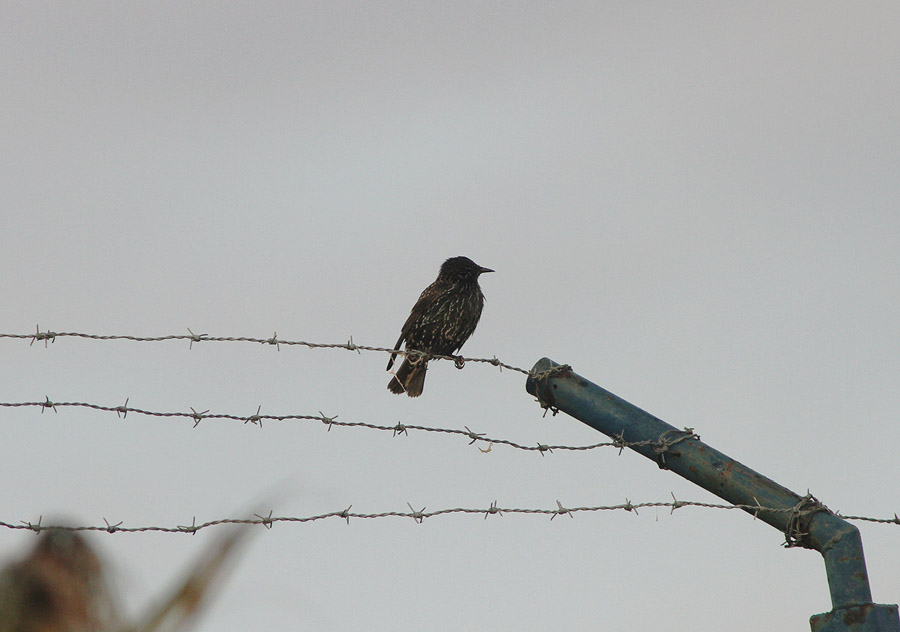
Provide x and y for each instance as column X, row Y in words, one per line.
column 694, row 204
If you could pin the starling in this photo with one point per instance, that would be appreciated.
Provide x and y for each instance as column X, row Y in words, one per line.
column 440, row 322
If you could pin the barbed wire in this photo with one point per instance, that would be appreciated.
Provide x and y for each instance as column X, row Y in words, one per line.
column 419, row 516
column 661, row 445
column 48, row 337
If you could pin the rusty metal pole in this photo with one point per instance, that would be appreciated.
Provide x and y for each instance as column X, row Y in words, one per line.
column 805, row 521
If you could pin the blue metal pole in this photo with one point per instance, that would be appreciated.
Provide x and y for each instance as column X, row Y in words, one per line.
column 804, row 520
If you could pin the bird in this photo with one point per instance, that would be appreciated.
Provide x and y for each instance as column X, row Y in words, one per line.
column 440, row 322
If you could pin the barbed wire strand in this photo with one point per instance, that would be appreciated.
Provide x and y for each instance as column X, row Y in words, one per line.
column 419, row 516
column 400, row 428
column 50, row 336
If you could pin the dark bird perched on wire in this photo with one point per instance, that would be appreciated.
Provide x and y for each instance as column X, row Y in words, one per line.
column 440, row 322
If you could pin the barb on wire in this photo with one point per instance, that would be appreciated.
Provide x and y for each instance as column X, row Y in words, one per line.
column 493, row 509
column 39, row 335
column 664, row 443
column 399, row 428
column 798, row 521
column 419, row 515
column 191, row 337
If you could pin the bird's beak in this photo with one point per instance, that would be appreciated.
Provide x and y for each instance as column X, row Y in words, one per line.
column 483, row 270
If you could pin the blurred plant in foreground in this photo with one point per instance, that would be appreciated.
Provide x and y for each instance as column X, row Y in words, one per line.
column 61, row 586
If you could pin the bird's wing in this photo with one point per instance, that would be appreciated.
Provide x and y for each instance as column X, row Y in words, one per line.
column 426, row 299
column 396, row 346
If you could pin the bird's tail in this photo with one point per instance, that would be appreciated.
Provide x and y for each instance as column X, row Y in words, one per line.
column 410, row 378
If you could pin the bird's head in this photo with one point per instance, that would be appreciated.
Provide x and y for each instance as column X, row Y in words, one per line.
column 461, row 269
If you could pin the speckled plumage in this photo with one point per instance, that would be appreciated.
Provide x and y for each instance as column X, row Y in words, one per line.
column 443, row 318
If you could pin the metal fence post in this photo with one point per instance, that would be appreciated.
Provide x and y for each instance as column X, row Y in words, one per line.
column 804, row 521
